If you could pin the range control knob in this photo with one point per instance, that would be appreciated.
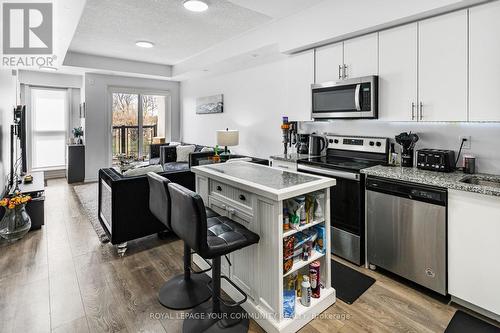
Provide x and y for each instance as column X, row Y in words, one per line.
column 336, row 141
column 379, row 143
column 372, row 143
column 330, row 141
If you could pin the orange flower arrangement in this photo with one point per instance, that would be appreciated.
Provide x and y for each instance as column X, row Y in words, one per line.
column 15, row 201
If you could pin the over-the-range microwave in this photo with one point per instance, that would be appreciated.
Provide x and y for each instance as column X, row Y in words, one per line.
column 347, row 99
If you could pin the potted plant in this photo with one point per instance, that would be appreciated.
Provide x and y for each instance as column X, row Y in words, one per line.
column 16, row 222
column 78, row 134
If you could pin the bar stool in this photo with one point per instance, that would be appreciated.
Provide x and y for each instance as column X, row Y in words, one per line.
column 184, row 291
column 211, row 238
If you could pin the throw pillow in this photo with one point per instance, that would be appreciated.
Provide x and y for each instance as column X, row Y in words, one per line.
column 206, row 149
column 143, row 170
column 183, row 152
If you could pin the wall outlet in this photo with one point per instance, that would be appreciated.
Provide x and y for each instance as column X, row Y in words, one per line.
column 467, row 144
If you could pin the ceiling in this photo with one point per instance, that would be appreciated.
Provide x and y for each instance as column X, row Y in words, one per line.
column 110, row 28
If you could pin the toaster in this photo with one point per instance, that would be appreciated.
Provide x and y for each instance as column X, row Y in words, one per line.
column 436, row 160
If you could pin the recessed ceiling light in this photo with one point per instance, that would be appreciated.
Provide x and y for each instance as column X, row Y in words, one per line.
column 48, row 68
column 145, row 44
column 195, row 5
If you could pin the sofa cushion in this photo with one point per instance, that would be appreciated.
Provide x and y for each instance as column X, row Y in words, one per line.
column 168, row 154
column 143, row 170
column 206, row 149
column 176, row 166
column 183, row 152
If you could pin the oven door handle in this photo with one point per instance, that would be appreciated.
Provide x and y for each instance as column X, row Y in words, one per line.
column 356, row 97
column 329, row 172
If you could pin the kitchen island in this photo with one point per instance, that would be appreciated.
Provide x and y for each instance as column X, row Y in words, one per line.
column 255, row 196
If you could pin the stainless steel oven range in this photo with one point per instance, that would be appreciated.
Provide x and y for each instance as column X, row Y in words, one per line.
column 345, row 157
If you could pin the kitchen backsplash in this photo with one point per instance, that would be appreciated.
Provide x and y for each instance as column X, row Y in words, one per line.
column 485, row 137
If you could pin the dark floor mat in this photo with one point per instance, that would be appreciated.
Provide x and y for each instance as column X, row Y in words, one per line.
column 463, row 322
column 348, row 283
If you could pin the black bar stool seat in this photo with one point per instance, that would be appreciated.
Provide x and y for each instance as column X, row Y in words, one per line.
column 225, row 236
column 211, row 238
column 187, row 290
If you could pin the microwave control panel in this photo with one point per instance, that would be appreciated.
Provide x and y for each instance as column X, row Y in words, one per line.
column 366, row 99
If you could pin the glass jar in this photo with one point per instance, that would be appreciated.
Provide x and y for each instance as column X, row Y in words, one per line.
column 15, row 224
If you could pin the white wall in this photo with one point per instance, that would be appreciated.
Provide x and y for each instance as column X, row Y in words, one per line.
column 97, row 120
column 7, row 102
column 256, row 98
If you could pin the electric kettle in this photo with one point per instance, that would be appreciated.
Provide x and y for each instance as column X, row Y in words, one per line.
column 317, row 145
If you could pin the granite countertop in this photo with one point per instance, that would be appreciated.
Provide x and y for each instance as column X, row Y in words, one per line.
column 449, row 180
column 271, row 182
column 265, row 176
column 292, row 157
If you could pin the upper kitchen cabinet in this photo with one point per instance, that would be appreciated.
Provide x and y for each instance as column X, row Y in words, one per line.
column 442, row 68
column 329, row 63
column 398, row 73
column 361, row 56
column 484, row 62
column 299, row 77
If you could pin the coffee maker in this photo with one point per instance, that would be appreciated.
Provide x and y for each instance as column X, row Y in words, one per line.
column 302, row 143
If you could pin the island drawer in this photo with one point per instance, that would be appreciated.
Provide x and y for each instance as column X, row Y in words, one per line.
column 229, row 210
column 240, row 196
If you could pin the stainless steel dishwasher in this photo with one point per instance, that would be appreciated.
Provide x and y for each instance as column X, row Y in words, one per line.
column 406, row 230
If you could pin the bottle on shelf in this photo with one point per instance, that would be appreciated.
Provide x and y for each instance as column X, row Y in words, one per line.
column 305, row 298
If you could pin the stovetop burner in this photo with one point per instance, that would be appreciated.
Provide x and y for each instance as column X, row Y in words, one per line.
column 353, row 165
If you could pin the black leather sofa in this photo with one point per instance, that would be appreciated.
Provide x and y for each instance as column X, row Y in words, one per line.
column 123, row 203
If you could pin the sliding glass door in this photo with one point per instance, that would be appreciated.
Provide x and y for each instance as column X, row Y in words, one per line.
column 49, row 125
column 125, row 125
column 153, row 120
column 136, row 120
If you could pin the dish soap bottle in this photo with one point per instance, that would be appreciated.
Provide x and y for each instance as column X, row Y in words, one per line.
column 305, row 298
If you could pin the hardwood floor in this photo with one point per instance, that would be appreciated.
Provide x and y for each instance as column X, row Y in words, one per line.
column 62, row 279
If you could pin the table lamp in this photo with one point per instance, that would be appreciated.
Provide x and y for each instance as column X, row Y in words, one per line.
column 227, row 138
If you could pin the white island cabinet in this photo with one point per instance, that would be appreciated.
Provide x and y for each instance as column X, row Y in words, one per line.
column 254, row 195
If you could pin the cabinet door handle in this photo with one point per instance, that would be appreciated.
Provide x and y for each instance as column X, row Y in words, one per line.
column 242, row 197
column 230, row 211
column 421, row 111
column 412, row 110
column 219, row 188
column 345, row 71
column 340, row 72
column 282, row 166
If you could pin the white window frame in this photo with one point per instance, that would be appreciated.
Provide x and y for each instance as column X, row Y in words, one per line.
column 30, row 131
column 140, row 92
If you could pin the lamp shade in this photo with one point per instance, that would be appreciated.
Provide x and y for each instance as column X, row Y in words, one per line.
column 228, row 138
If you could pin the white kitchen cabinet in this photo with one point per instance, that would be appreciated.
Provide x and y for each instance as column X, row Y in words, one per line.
column 361, row 56
column 442, row 68
column 398, row 73
column 299, row 77
column 329, row 63
column 473, row 249
column 484, row 62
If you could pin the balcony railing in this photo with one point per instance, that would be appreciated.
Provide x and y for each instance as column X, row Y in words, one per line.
column 126, row 139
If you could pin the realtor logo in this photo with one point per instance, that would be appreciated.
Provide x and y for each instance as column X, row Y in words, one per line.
column 27, row 28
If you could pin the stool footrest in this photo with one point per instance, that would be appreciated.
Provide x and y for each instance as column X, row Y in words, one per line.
column 202, row 271
column 230, row 304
